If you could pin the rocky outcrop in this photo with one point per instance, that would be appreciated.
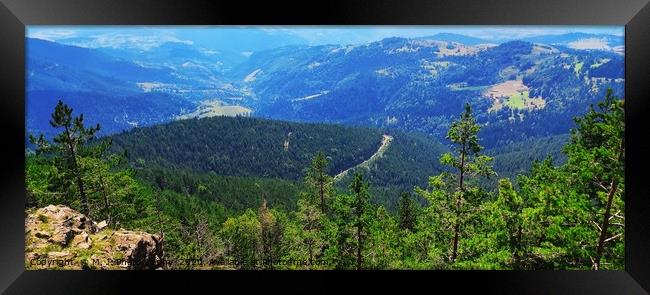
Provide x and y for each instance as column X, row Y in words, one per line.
column 57, row 237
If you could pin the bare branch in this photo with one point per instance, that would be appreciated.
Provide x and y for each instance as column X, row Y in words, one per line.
column 601, row 185
column 597, row 226
column 614, row 237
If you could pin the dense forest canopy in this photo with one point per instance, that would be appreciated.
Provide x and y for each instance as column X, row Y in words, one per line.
column 566, row 214
column 247, row 146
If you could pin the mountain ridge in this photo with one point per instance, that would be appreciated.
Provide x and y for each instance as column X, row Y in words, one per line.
column 412, row 84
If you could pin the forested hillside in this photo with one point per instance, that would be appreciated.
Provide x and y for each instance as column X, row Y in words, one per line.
column 517, row 157
column 247, row 146
column 276, row 149
column 559, row 215
column 520, row 89
column 143, row 109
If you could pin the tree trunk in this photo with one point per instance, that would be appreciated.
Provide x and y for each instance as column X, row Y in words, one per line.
column 322, row 197
column 75, row 170
column 359, row 236
column 358, row 246
column 107, row 204
column 454, row 252
column 605, row 225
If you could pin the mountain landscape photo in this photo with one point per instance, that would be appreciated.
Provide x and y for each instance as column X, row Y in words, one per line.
column 332, row 147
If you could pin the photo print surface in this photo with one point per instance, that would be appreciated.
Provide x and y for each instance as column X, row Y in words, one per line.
column 325, row 147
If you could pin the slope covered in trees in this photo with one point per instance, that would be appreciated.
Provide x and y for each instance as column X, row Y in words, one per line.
column 275, row 149
column 555, row 216
column 412, row 84
column 415, row 84
column 517, row 157
column 246, row 146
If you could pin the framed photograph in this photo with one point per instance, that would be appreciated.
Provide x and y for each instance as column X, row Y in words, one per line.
column 158, row 143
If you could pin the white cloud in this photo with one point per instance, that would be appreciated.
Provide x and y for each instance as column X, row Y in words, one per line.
column 51, row 35
column 117, row 40
column 112, row 37
column 144, row 37
column 590, row 43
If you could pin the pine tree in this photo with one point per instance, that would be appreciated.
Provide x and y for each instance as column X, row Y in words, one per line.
column 383, row 243
column 68, row 145
column 361, row 205
column 556, row 217
column 318, row 178
column 406, row 211
column 271, row 235
column 241, row 236
column 510, row 206
column 340, row 233
column 467, row 162
column 596, row 158
column 311, row 221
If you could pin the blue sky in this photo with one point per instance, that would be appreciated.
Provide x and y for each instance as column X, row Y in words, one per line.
column 114, row 36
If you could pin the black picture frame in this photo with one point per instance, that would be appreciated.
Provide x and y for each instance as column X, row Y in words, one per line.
column 634, row 14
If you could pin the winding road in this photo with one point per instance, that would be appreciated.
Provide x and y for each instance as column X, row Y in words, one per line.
column 385, row 143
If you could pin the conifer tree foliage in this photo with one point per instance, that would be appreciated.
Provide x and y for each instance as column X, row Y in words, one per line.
column 509, row 207
column 407, row 212
column 242, row 237
column 360, row 209
column 596, row 158
column 451, row 189
column 319, row 180
column 343, row 243
column 76, row 169
column 310, row 237
column 67, row 146
column 383, row 247
column 272, row 232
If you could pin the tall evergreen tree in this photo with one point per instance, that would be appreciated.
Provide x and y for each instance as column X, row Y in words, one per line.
column 510, row 206
column 340, row 233
column 361, row 206
column 596, row 158
column 271, row 235
column 241, row 235
column 556, row 218
column 311, row 221
column 68, row 145
column 318, row 178
column 383, row 243
column 406, row 211
column 466, row 161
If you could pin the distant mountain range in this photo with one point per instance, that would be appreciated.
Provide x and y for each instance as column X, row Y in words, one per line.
column 251, row 39
column 519, row 89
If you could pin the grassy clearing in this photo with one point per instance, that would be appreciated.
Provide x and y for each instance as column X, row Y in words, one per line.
column 518, row 100
column 514, row 94
column 214, row 108
column 578, row 67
